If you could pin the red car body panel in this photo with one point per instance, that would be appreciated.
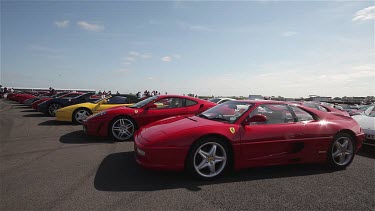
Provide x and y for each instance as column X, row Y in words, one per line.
column 99, row 125
column 167, row 142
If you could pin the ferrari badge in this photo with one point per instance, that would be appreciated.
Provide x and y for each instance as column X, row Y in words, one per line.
column 232, row 130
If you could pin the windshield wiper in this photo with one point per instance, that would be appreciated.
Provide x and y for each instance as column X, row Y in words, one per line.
column 203, row 116
column 218, row 118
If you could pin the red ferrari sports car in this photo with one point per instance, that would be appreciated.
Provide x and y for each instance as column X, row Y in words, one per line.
column 121, row 122
column 242, row 134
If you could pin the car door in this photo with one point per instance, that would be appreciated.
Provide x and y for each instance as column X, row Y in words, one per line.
column 276, row 141
column 167, row 107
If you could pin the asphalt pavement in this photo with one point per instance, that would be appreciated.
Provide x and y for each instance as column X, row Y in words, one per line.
column 47, row 165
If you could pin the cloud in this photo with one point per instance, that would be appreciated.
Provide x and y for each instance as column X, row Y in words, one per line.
column 133, row 53
column 365, row 14
column 199, row 28
column 289, row 33
column 145, row 56
column 90, row 27
column 43, row 49
column 166, row 59
column 170, row 58
column 123, row 70
column 62, row 24
column 130, row 59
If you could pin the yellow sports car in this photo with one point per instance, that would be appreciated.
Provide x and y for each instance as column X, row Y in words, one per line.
column 79, row 112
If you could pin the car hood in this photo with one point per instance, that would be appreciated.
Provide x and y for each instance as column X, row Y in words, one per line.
column 175, row 124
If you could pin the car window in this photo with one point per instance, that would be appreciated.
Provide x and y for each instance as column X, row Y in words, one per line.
column 190, row 102
column 275, row 113
column 132, row 99
column 302, row 115
column 228, row 112
column 172, row 102
column 117, row 100
column 214, row 100
column 321, row 108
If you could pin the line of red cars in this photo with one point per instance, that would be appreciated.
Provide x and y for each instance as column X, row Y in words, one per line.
column 173, row 132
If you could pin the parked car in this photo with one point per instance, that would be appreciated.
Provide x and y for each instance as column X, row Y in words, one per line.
column 35, row 104
column 79, row 112
column 30, row 101
column 367, row 122
column 51, row 106
column 219, row 100
column 361, row 110
column 242, row 134
column 120, row 123
column 322, row 107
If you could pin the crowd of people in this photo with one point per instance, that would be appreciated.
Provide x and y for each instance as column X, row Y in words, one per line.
column 5, row 90
column 147, row 94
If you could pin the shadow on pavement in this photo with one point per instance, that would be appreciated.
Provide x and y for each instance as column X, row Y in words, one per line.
column 32, row 110
column 54, row 122
column 79, row 137
column 22, row 107
column 36, row 115
column 120, row 172
column 367, row 151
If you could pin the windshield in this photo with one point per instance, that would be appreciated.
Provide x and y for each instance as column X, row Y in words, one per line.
column 100, row 99
column 143, row 102
column 228, row 112
column 214, row 100
column 364, row 108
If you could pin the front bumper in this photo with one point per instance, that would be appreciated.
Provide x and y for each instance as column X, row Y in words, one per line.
column 159, row 158
column 359, row 140
column 369, row 137
column 96, row 126
column 63, row 116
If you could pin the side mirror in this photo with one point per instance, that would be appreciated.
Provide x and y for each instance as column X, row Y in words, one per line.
column 151, row 106
column 256, row 118
column 103, row 102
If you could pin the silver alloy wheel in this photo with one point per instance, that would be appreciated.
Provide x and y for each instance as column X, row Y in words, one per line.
column 210, row 159
column 53, row 108
column 342, row 151
column 81, row 115
column 123, row 129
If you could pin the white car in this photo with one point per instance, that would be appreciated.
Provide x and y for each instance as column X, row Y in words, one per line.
column 219, row 100
column 367, row 123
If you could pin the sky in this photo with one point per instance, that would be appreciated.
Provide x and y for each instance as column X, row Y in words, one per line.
column 271, row 48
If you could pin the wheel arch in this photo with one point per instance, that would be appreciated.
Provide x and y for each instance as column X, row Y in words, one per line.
column 216, row 135
column 85, row 108
column 349, row 132
column 118, row 116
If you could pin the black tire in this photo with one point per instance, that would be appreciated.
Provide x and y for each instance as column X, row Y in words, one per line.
column 52, row 108
column 127, row 121
column 77, row 120
column 338, row 157
column 195, row 160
